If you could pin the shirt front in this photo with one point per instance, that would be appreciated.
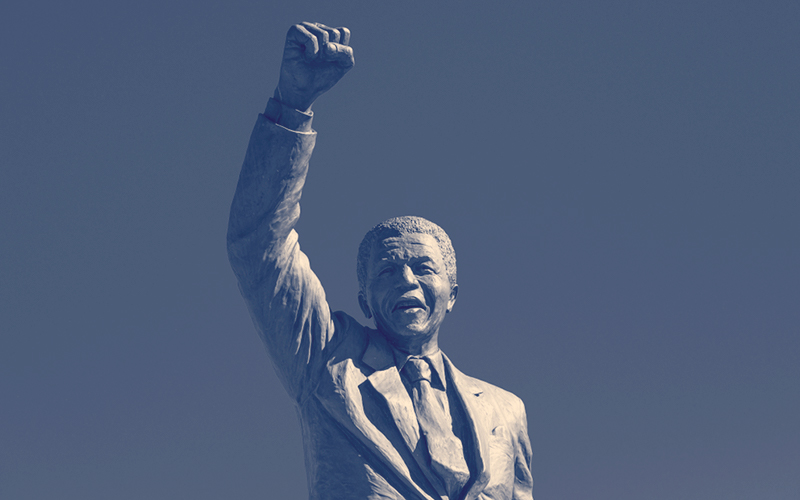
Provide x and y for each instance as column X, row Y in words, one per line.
column 453, row 422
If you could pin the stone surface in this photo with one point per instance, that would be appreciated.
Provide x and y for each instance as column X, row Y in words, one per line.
column 370, row 429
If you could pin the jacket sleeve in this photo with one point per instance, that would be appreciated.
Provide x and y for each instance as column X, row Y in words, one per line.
column 284, row 297
column 523, row 479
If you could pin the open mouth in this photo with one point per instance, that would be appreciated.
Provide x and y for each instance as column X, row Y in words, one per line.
column 408, row 304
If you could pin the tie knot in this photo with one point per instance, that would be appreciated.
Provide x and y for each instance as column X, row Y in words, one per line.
column 417, row 369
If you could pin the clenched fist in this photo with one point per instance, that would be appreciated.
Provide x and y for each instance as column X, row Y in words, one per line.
column 314, row 59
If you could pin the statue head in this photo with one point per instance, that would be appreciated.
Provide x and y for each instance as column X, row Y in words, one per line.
column 407, row 279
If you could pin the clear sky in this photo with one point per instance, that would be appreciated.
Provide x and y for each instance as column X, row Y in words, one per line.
column 621, row 181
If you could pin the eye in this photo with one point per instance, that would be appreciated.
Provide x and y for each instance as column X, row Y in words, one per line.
column 386, row 271
column 425, row 269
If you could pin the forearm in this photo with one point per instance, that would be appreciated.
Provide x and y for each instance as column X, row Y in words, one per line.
column 284, row 296
column 266, row 206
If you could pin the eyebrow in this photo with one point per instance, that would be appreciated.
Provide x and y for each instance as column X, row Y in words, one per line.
column 413, row 260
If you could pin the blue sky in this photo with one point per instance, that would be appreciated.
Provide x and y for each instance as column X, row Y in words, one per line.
column 620, row 181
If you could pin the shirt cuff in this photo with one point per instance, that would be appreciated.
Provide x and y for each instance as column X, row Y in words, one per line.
column 288, row 117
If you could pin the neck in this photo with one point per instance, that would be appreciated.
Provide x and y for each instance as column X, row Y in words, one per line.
column 415, row 346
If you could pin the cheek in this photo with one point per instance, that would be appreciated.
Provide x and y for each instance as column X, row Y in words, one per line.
column 440, row 293
column 378, row 301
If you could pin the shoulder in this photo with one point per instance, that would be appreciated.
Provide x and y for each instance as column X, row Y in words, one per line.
column 352, row 336
column 499, row 398
column 499, row 394
column 346, row 322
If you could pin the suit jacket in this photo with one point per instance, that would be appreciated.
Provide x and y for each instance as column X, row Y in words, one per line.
column 360, row 431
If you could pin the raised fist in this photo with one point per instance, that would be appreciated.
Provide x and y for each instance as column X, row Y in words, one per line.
column 315, row 57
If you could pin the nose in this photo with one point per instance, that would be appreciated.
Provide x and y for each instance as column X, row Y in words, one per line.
column 407, row 278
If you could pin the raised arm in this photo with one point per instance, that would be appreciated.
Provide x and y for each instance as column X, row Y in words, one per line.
column 284, row 296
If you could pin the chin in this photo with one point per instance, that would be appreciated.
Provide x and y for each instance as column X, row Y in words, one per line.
column 415, row 331
column 412, row 330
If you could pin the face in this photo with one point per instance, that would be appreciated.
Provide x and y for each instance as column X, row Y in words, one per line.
column 408, row 291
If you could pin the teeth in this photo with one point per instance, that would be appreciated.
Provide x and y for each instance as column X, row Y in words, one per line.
column 408, row 305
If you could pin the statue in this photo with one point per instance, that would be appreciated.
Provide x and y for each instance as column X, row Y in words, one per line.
column 384, row 413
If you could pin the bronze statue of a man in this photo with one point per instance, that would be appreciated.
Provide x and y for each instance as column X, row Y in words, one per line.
column 384, row 413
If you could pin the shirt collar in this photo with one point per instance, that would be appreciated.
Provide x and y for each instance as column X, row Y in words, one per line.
column 437, row 363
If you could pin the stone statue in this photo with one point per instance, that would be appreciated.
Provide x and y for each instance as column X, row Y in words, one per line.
column 384, row 413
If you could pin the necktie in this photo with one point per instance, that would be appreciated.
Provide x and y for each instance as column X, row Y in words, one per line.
column 446, row 451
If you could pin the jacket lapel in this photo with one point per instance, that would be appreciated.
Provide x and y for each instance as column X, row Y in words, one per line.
column 386, row 380
column 345, row 403
column 470, row 396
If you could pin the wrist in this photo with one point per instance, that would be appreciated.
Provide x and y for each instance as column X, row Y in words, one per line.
column 291, row 100
column 288, row 117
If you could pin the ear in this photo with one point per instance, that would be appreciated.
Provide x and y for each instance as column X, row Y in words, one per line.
column 453, row 295
column 362, row 302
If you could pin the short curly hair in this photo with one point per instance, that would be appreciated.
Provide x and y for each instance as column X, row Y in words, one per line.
column 398, row 226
